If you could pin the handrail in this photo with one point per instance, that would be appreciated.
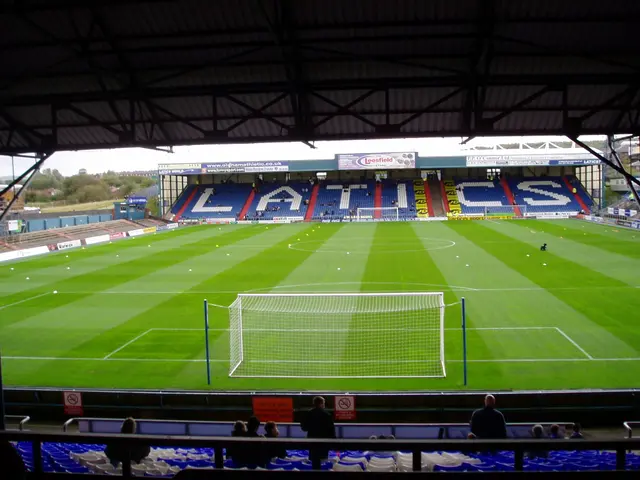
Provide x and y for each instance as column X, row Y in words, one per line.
column 23, row 420
column 416, row 447
column 628, row 426
column 286, row 427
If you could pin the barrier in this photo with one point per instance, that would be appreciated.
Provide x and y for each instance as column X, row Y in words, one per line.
column 416, row 447
column 116, row 236
column 28, row 252
column 135, row 233
column 97, row 239
column 69, row 244
column 171, row 226
column 149, row 230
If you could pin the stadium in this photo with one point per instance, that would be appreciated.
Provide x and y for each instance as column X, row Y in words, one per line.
column 391, row 290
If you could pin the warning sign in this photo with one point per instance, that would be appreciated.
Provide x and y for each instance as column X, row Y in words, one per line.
column 273, row 409
column 345, row 407
column 73, row 403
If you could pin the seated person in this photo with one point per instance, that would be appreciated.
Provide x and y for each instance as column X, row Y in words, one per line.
column 117, row 452
column 577, row 432
column 554, row 431
column 234, row 452
column 538, row 433
column 274, row 451
column 11, row 464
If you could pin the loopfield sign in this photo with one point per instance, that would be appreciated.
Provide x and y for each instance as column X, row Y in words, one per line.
column 376, row 161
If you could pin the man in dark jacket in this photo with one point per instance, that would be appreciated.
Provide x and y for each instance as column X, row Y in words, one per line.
column 117, row 452
column 11, row 464
column 488, row 422
column 318, row 423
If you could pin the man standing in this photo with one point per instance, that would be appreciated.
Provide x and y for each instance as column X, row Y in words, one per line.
column 488, row 422
column 318, row 423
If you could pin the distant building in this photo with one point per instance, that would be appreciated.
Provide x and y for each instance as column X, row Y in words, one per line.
column 82, row 171
column 138, row 173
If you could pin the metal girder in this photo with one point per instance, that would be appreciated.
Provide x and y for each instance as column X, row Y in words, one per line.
column 29, row 173
column 632, row 181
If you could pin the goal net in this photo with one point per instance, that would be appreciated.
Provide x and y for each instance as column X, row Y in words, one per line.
column 377, row 213
column 350, row 335
column 517, row 211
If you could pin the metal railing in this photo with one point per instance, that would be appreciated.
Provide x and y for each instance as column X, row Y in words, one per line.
column 415, row 447
column 293, row 430
column 21, row 420
column 629, row 426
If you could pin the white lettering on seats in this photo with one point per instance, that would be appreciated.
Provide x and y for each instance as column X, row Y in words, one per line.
column 200, row 204
column 345, row 198
column 295, row 200
column 470, row 203
column 556, row 198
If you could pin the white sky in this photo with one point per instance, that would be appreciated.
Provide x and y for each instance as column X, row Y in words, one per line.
column 128, row 159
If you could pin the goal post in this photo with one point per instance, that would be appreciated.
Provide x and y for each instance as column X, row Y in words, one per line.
column 341, row 335
column 368, row 214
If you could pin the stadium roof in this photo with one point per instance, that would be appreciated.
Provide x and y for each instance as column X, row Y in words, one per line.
column 78, row 74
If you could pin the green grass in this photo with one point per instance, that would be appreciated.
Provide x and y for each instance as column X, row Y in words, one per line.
column 130, row 314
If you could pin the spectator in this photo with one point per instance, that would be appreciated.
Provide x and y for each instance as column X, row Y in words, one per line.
column 274, row 451
column 253, row 454
column 554, row 431
column 117, row 452
column 318, row 424
column 236, row 452
column 577, row 431
column 537, row 432
column 488, row 422
column 11, row 463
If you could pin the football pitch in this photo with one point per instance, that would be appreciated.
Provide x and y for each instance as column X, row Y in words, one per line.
column 130, row 314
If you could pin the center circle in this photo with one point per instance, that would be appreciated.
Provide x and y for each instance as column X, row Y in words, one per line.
column 428, row 244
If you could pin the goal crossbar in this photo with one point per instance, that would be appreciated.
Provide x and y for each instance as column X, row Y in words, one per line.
column 372, row 213
column 337, row 335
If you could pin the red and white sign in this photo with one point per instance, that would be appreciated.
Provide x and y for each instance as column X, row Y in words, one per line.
column 344, row 407
column 73, row 403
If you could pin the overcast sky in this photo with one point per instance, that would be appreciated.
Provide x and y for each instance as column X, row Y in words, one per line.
column 127, row 159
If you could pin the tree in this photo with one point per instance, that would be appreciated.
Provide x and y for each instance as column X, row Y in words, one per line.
column 92, row 193
column 153, row 206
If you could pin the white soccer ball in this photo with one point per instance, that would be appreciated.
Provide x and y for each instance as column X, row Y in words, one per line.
column 528, row 255
column 348, row 253
column 307, row 234
column 298, row 239
column 27, row 278
column 67, row 256
column 12, row 269
column 55, row 291
column 68, row 268
column 467, row 265
column 217, row 246
column 189, row 269
column 289, row 245
column 338, row 268
column 544, row 264
column 117, row 255
column 457, row 256
column 228, row 254
column 148, row 245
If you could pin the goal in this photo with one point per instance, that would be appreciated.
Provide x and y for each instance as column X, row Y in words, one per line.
column 342, row 335
column 378, row 213
column 516, row 211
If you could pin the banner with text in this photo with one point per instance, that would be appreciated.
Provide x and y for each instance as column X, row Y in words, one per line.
column 97, row 239
column 521, row 160
column 69, row 244
column 273, row 409
column 245, row 167
column 376, row 161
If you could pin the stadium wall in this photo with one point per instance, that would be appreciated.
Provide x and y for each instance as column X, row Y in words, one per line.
column 590, row 408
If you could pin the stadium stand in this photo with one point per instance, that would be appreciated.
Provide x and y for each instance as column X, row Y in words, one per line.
column 544, row 195
column 384, row 455
column 274, row 201
column 46, row 237
column 335, row 201
column 221, row 201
